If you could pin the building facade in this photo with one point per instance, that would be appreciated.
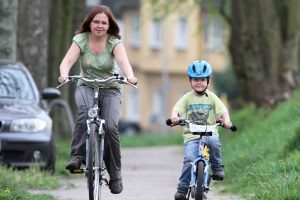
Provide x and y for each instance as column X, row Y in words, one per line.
column 159, row 50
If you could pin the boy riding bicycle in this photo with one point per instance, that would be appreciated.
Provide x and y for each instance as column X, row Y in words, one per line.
column 202, row 107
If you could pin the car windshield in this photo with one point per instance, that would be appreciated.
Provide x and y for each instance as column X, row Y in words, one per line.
column 14, row 84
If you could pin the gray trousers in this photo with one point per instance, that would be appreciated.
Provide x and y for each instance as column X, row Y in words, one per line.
column 110, row 110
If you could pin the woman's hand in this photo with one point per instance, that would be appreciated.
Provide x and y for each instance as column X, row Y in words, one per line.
column 132, row 80
column 62, row 78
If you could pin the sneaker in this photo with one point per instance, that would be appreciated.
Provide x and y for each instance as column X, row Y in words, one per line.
column 218, row 172
column 116, row 186
column 74, row 163
column 180, row 195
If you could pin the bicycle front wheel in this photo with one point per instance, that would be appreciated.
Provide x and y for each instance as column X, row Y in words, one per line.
column 200, row 175
column 93, row 164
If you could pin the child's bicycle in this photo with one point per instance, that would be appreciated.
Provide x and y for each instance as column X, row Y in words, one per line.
column 94, row 168
column 201, row 172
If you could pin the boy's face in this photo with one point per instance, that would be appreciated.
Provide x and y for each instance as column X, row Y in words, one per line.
column 199, row 84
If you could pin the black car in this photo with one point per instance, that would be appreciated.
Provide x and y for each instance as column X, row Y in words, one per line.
column 25, row 127
column 129, row 127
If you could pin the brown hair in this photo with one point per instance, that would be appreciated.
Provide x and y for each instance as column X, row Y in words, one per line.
column 113, row 26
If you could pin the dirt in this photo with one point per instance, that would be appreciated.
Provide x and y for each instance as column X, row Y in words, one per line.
column 148, row 174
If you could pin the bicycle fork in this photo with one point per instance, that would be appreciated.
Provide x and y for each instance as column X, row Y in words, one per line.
column 207, row 172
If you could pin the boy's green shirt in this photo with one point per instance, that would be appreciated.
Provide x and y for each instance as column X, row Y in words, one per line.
column 97, row 65
column 201, row 109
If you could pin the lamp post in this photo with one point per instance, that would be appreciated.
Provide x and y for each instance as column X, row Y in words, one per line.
column 165, row 82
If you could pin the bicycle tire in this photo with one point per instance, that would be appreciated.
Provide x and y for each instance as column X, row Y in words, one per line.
column 93, row 164
column 199, row 181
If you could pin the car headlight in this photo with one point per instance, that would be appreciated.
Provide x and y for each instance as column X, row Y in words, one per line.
column 28, row 125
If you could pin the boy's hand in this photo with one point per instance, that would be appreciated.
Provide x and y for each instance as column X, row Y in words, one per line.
column 227, row 125
column 175, row 120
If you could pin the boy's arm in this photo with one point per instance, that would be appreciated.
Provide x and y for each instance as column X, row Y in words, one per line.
column 175, row 117
column 226, row 119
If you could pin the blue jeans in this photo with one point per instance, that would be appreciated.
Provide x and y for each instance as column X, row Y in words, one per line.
column 191, row 152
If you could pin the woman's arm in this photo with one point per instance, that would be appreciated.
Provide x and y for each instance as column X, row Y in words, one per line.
column 123, row 62
column 70, row 58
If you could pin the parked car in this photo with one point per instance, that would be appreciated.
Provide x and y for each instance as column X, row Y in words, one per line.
column 26, row 135
column 129, row 127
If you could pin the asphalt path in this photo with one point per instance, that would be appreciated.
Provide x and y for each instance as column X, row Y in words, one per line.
column 148, row 174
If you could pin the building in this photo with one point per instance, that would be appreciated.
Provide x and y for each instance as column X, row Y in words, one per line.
column 159, row 50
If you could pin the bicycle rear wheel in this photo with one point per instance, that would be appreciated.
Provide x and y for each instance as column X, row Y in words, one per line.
column 200, row 175
column 93, row 163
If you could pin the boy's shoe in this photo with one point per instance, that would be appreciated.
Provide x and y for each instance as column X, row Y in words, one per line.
column 218, row 172
column 180, row 195
column 74, row 163
column 116, row 186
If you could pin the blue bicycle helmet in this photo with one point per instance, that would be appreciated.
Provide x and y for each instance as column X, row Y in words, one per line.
column 199, row 69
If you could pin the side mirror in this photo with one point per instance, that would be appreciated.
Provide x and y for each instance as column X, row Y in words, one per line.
column 50, row 93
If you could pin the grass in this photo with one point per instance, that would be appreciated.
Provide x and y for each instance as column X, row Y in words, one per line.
column 262, row 160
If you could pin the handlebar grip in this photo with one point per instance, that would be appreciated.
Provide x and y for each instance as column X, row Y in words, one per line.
column 169, row 122
column 233, row 128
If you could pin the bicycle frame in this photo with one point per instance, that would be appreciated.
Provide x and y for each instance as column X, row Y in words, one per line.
column 203, row 157
column 94, row 168
column 201, row 172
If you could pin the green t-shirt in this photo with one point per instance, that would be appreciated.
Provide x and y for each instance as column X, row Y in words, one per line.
column 97, row 65
column 202, row 109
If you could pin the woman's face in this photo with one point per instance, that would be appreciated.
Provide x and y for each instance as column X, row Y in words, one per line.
column 99, row 24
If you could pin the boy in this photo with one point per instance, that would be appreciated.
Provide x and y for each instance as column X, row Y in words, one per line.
column 203, row 107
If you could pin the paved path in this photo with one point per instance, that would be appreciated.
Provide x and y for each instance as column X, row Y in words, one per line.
column 148, row 174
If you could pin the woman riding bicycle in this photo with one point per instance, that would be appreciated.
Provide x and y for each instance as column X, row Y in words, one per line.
column 202, row 107
column 97, row 44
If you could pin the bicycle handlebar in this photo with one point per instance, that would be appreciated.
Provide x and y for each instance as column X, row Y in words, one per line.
column 183, row 122
column 114, row 78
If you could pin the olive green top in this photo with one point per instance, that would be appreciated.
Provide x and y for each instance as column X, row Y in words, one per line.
column 97, row 65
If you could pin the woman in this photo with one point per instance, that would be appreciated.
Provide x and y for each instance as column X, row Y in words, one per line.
column 97, row 45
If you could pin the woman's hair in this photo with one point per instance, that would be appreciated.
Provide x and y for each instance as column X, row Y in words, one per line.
column 113, row 26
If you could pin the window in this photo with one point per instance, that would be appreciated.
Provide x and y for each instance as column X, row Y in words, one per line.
column 213, row 34
column 157, row 108
column 156, row 34
column 181, row 37
column 135, row 30
column 14, row 84
column 133, row 106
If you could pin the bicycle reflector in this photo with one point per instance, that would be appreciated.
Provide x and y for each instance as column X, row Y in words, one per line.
column 92, row 112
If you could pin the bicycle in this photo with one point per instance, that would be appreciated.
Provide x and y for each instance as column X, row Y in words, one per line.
column 201, row 172
column 94, row 168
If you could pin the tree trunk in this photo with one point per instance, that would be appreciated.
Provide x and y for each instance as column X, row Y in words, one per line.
column 32, row 38
column 65, row 17
column 8, row 29
column 264, row 48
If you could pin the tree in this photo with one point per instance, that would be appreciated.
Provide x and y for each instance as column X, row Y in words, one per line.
column 65, row 17
column 8, row 29
column 32, row 38
column 264, row 44
column 264, row 47
column 38, row 33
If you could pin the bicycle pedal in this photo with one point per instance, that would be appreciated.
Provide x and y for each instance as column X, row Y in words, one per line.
column 104, row 181
column 77, row 171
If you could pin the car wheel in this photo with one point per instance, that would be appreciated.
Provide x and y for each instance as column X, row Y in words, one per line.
column 130, row 130
column 50, row 162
